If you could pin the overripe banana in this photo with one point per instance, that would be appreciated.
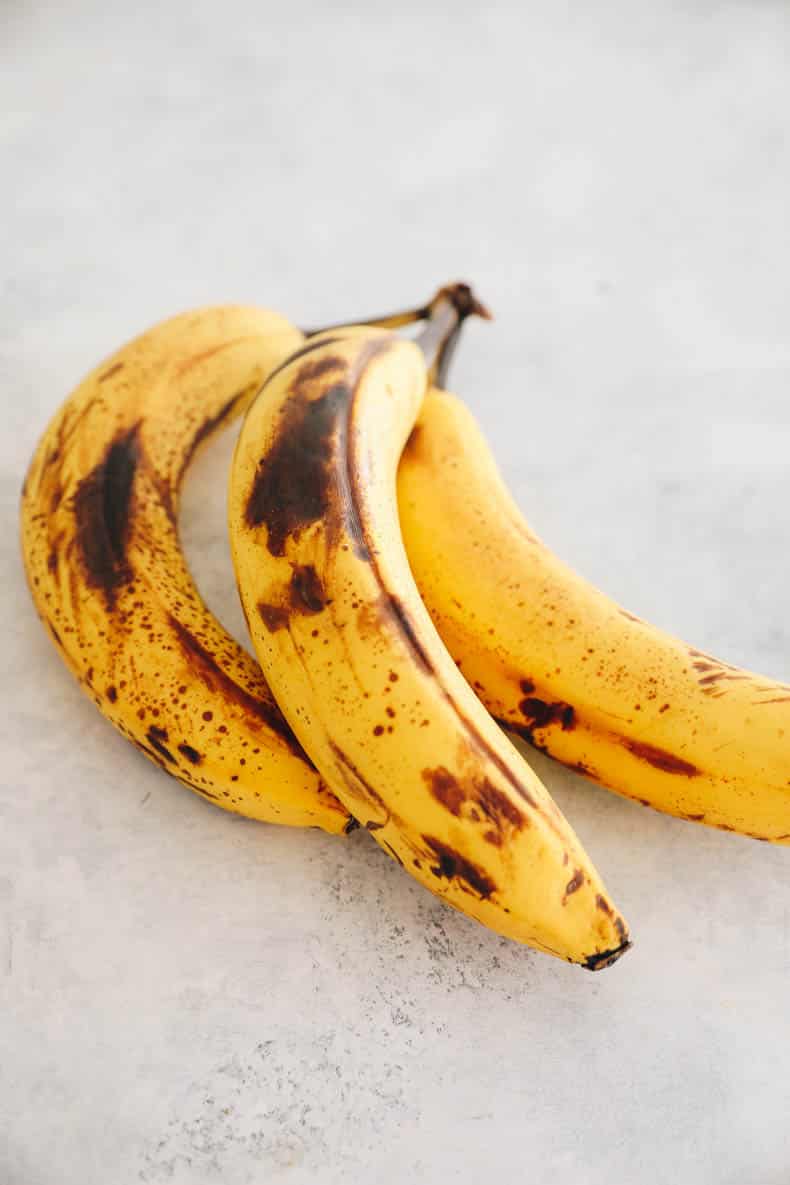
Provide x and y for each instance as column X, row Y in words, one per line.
column 357, row 666
column 110, row 582
column 558, row 662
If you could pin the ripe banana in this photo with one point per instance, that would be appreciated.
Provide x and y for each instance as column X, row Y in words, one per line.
column 110, row 582
column 572, row 672
column 357, row 666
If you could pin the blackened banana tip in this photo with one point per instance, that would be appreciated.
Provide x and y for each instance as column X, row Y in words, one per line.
column 605, row 958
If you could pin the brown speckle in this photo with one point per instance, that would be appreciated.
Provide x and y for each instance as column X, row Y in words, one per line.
column 112, row 694
column 451, row 865
column 574, row 884
column 108, row 374
column 661, row 759
column 156, row 737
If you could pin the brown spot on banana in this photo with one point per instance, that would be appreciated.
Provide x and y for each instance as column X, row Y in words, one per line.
column 274, row 617
column 306, row 432
column 108, row 374
column 156, row 738
column 661, row 759
column 573, row 885
column 304, row 596
column 102, row 503
column 451, row 865
column 307, row 591
column 540, row 714
column 488, row 803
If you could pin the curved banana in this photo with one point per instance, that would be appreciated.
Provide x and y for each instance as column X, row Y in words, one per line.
column 558, row 662
column 110, row 582
column 358, row 668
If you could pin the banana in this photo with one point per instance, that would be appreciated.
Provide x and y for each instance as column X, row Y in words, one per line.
column 559, row 663
column 356, row 665
column 109, row 580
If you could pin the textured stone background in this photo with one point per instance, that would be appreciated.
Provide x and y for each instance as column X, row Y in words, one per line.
column 187, row 998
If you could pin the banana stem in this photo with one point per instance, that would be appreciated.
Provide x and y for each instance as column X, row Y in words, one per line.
column 388, row 321
column 445, row 358
column 459, row 295
column 447, row 312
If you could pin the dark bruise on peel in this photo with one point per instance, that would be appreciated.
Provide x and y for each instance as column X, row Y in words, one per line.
column 294, row 482
column 206, row 666
column 101, row 511
column 451, row 865
column 667, row 762
column 191, row 754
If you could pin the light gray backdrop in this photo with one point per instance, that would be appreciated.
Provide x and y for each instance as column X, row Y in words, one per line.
column 186, row 997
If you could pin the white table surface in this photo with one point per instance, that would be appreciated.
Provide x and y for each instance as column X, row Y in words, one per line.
column 186, row 997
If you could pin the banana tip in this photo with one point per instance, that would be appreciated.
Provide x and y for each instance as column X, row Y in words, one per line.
column 605, row 958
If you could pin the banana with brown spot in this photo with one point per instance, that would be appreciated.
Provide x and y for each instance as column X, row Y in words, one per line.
column 563, row 665
column 109, row 580
column 358, row 668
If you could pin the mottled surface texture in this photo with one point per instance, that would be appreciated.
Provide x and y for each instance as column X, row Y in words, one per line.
column 186, row 998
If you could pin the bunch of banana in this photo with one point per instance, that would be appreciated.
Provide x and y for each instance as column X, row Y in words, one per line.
column 364, row 687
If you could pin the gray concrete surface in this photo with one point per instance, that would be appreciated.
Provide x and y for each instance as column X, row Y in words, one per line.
column 188, row 998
